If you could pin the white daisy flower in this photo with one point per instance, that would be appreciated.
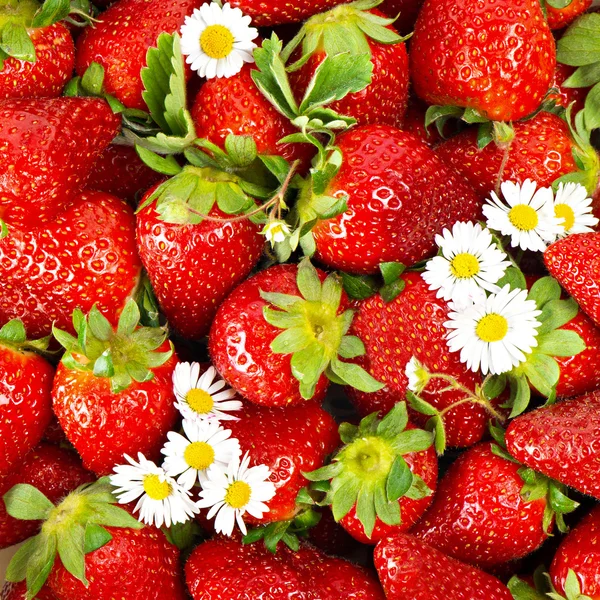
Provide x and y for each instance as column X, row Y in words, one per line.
column 205, row 396
column 494, row 335
column 217, row 41
column 161, row 498
column 276, row 231
column 572, row 205
column 239, row 490
column 470, row 263
column 417, row 375
column 529, row 217
column 205, row 444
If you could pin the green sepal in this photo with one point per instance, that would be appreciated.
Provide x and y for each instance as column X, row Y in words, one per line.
column 523, row 591
column 25, row 502
column 14, row 335
column 95, row 537
column 51, row 12
column 359, row 287
column 16, row 43
column 91, row 84
column 183, row 535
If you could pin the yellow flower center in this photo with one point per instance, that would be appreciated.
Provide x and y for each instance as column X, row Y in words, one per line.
column 199, row 455
column 492, row 328
column 199, row 401
column 464, row 266
column 564, row 211
column 217, row 41
column 155, row 488
column 523, row 217
column 238, row 494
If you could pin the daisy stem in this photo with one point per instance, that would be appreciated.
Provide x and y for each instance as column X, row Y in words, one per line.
column 500, row 177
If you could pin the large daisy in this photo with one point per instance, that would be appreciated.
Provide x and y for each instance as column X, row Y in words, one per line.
column 217, row 41
column 232, row 493
column 527, row 217
column 496, row 334
column 470, row 263
column 574, row 207
column 161, row 499
column 203, row 396
column 206, row 444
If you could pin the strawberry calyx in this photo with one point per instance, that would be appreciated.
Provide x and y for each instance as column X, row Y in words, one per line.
column 315, row 335
column 13, row 335
column 536, row 486
column 15, row 18
column 91, row 84
column 123, row 355
column 71, row 529
column 544, row 589
column 369, row 471
column 572, row 589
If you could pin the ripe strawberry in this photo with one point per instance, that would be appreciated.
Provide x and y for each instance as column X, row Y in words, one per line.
column 25, row 401
column 408, row 568
column 276, row 368
column 561, row 17
column 224, row 568
column 565, row 95
column 18, row 591
column 579, row 553
column 289, row 441
column 413, row 325
column 560, row 441
column 221, row 254
column 400, row 194
column 113, row 392
column 330, row 537
column 482, row 514
column 414, row 122
column 54, row 472
column 404, row 11
column 47, row 148
column 119, row 42
column 350, row 28
column 573, row 261
column 86, row 256
column 459, row 57
column 271, row 12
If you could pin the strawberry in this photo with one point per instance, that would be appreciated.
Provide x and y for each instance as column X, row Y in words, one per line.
column 220, row 252
column 18, row 591
column 223, row 568
column 563, row 96
column 86, row 256
column 331, row 537
column 113, row 391
column 382, row 479
column 25, row 400
column 352, row 29
column 578, row 558
column 47, row 148
column 573, row 261
column 279, row 368
column 489, row 510
column 120, row 41
column 54, row 472
column 409, row 568
column 404, row 11
column 289, row 441
column 393, row 183
column 120, row 172
column 414, row 122
column 272, row 12
column 561, row 17
column 560, row 441
column 459, row 57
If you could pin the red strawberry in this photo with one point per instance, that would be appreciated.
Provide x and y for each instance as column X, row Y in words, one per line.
column 460, row 56
column 404, row 11
column 272, row 12
column 414, row 122
column 84, row 257
column 408, row 568
column 289, row 441
column 560, row 441
column 222, row 568
column 413, row 325
column 25, row 400
column 54, row 472
column 565, row 95
column 119, row 42
column 579, row 553
column 400, row 194
column 574, row 262
column 120, row 172
column 331, row 537
column 18, row 591
column 53, row 66
column 113, row 393
column 561, row 17
column 47, row 148
column 221, row 254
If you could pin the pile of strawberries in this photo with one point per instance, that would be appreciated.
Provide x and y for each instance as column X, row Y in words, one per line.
column 300, row 300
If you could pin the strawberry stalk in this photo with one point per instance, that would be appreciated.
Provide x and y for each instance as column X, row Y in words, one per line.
column 13, row 334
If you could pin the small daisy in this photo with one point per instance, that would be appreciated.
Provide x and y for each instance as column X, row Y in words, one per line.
column 200, row 397
column 276, row 231
column 494, row 335
column 218, row 41
column 161, row 498
column 529, row 217
column 206, row 444
column 572, row 205
column 470, row 263
column 417, row 375
column 239, row 490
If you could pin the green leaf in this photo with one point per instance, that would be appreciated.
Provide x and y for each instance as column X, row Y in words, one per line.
column 282, row 320
column 394, row 422
column 93, row 79
column 520, row 394
column 412, row 440
column 560, row 343
column 324, row 473
column 387, row 511
column 592, row 108
column 95, row 537
column 113, row 516
column 99, row 325
column 51, row 12
column 557, row 313
column 585, row 76
column 292, row 340
column 399, row 480
column 542, row 372
column 277, row 166
column 17, row 568
column 437, row 426
column 103, row 366
column 513, row 277
column 331, row 291
column 365, row 510
column 167, row 165
column 70, row 550
column 559, row 501
column 418, row 490
column 13, row 332
column 470, row 115
column 15, row 42
column 241, row 149
column 521, row 591
column 572, row 587
column 494, row 386
column 417, row 403
column 345, row 498
column 347, row 432
column 544, row 290
column 129, row 319
column 391, row 291
column 308, row 365
column 580, row 45
column 359, row 287
column 308, row 281
column 391, row 271
column 351, row 347
column 23, row 501
column 355, row 376
column 40, row 564
column 183, row 535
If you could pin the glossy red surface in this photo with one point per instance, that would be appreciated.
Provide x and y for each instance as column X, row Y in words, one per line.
column 276, row 12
